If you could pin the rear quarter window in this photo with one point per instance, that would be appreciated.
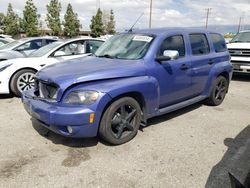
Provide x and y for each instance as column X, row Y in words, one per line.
column 199, row 44
column 218, row 42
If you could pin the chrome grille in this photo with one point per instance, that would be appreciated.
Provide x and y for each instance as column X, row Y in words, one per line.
column 240, row 52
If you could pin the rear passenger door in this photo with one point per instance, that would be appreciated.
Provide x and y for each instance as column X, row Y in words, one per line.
column 202, row 61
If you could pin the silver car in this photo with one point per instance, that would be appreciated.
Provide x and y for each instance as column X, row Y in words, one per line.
column 22, row 47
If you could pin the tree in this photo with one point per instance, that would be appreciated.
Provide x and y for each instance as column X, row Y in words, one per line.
column 110, row 29
column 71, row 23
column 11, row 22
column 53, row 17
column 96, row 26
column 105, row 20
column 30, row 19
column 2, row 17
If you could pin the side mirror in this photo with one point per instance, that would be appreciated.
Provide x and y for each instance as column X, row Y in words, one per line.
column 168, row 55
column 59, row 53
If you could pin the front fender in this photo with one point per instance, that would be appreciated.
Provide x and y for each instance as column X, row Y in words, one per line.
column 144, row 85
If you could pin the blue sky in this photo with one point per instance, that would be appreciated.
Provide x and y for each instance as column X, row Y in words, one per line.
column 166, row 13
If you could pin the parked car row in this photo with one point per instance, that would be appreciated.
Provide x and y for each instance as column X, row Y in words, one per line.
column 132, row 77
column 17, row 74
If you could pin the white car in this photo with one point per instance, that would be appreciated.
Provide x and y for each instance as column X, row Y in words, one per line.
column 23, row 47
column 17, row 75
column 239, row 49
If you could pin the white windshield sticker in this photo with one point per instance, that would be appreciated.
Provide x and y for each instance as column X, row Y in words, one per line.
column 143, row 38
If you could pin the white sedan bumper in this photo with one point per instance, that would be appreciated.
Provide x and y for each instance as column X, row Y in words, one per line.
column 4, row 84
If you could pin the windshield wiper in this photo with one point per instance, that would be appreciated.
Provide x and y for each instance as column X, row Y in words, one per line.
column 106, row 55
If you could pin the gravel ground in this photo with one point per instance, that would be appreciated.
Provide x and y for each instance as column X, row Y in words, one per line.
column 192, row 147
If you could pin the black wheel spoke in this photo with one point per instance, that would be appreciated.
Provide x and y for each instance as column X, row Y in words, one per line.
column 223, row 89
column 123, row 111
column 130, row 115
column 218, row 95
column 130, row 127
column 116, row 121
column 120, row 131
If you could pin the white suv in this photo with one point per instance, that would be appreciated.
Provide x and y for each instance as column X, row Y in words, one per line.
column 239, row 48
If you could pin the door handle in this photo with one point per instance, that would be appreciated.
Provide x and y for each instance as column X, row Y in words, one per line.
column 183, row 67
column 210, row 62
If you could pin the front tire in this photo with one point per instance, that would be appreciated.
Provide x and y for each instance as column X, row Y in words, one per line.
column 121, row 121
column 22, row 81
column 219, row 91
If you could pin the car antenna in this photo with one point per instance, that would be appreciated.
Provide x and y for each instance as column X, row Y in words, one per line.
column 131, row 29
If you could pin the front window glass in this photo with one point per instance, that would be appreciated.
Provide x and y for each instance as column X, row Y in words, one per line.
column 125, row 46
column 242, row 37
column 92, row 46
column 44, row 50
column 173, row 43
column 74, row 48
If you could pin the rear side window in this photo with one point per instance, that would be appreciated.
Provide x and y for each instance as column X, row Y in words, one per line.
column 199, row 44
column 173, row 43
column 218, row 42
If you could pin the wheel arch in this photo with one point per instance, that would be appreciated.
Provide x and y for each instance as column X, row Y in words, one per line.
column 133, row 94
column 23, row 68
column 225, row 75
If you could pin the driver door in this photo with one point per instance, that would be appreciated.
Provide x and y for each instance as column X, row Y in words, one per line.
column 174, row 76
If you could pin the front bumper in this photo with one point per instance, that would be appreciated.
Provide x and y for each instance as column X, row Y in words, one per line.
column 56, row 116
column 241, row 65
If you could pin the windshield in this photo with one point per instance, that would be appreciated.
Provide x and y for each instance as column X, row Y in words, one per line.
column 125, row 46
column 44, row 50
column 10, row 45
column 242, row 37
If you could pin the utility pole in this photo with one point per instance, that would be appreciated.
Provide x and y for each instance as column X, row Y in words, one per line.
column 208, row 12
column 240, row 21
column 150, row 14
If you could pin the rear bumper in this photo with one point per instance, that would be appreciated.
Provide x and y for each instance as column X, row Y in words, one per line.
column 56, row 117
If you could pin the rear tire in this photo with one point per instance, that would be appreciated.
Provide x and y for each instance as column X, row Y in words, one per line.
column 219, row 91
column 121, row 121
column 23, row 80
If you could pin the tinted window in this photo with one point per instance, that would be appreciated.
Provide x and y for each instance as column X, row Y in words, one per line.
column 199, row 44
column 218, row 42
column 92, row 46
column 173, row 43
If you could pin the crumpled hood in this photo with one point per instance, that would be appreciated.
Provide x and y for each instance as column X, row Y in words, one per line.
column 90, row 68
